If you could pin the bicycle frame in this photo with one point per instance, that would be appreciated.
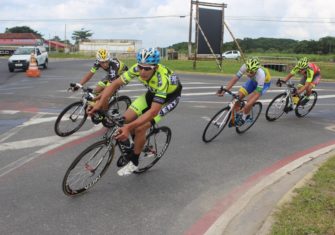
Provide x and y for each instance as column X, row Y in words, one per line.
column 231, row 108
column 288, row 90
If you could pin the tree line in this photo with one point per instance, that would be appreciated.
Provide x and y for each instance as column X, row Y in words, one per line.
column 324, row 46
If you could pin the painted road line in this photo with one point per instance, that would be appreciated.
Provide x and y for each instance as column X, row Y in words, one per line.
column 77, row 137
column 331, row 128
column 15, row 130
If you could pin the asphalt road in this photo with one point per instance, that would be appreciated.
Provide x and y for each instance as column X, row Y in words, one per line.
column 186, row 184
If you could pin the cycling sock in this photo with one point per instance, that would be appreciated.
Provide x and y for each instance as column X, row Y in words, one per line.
column 134, row 158
column 244, row 116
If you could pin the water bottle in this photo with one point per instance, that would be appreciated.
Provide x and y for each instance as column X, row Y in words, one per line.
column 295, row 99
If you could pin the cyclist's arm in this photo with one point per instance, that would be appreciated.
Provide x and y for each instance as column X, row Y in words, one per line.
column 86, row 78
column 232, row 82
column 106, row 94
column 288, row 77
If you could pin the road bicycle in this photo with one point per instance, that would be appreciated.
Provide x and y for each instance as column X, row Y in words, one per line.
column 73, row 117
column 287, row 101
column 92, row 163
column 229, row 114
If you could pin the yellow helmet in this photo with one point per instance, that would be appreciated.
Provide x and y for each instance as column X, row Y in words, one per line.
column 102, row 55
column 253, row 64
column 302, row 63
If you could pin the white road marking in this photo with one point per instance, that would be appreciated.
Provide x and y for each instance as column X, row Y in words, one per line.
column 54, row 141
column 16, row 129
column 331, row 128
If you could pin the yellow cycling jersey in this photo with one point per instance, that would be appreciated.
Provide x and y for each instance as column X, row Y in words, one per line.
column 163, row 82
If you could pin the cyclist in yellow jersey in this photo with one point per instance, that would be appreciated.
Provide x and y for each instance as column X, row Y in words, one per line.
column 259, row 81
column 113, row 67
column 311, row 76
column 164, row 91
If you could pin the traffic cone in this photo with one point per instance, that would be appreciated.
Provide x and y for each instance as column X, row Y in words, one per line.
column 33, row 70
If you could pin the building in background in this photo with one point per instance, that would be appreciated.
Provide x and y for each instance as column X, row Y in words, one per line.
column 114, row 46
column 57, row 46
column 10, row 41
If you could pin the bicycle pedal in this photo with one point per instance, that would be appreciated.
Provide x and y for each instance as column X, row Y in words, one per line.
column 288, row 109
column 230, row 124
column 122, row 161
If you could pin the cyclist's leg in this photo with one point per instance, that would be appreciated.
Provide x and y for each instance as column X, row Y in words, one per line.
column 136, row 109
column 315, row 81
column 140, row 132
column 248, row 88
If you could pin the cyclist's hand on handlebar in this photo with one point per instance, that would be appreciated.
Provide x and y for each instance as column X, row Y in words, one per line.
column 97, row 97
column 278, row 83
column 123, row 133
column 220, row 92
column 75, row 86
column 92, row 109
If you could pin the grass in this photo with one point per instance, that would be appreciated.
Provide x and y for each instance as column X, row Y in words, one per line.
column 312, row 210
column 229, row 67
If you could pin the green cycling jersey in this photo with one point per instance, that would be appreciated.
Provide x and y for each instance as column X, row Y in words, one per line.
column 162, row 84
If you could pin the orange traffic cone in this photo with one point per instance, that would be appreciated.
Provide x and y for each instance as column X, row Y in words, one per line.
column 33, row 70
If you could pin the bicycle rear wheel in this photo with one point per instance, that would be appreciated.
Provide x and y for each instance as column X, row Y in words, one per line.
column 88, row 168
column 157, row 142
column 303, row 110
column 121, row 104
column 216, row 125
column 254, row 114
column 71, row 119
column 276, row 107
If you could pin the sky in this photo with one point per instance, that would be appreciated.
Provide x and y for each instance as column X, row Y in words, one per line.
column 158, row 22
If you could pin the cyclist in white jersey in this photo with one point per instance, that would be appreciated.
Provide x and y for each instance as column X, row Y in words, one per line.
column 258, row 83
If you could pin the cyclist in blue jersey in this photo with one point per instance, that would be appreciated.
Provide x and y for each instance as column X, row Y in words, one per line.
column 258, row 83
column 162, row 96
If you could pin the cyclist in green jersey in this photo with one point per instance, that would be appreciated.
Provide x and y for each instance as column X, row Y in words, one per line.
column 310, row 78
column 164, row 91
column 113, row 67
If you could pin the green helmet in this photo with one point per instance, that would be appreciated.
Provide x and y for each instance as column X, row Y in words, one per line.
column 302, row 63
column 253, row 64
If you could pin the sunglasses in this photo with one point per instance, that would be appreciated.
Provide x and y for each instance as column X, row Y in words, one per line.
column 145, row 68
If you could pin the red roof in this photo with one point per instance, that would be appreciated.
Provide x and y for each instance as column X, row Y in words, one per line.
column 19, row 36
column 55, row 44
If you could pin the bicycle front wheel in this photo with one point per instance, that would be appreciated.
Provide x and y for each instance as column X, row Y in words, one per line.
column 121, row 104
column 71, row 119
column 157, row 142
column 216, row 125
column 276, row 107
column 250, row 121
column 303, row 109
column 88, row 168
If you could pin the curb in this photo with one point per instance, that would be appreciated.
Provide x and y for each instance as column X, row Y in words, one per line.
column 259, row 199
column 267, row 224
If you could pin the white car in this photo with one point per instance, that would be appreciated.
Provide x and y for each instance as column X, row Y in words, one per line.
column 21, row 57
column 236, row 55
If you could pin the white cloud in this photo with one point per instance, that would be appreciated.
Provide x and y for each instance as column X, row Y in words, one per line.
column 167, row 31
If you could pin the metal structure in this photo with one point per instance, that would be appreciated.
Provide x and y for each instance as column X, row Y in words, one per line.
column 198, row 30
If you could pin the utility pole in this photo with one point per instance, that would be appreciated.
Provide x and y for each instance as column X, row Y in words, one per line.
column 65, row 39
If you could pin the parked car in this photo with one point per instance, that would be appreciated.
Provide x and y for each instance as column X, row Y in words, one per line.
column 21, row 57
column 234, row 54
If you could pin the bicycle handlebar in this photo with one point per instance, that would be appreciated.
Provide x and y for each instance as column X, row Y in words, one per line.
column 235, row 96
column 73, row 85
column 110, row 117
